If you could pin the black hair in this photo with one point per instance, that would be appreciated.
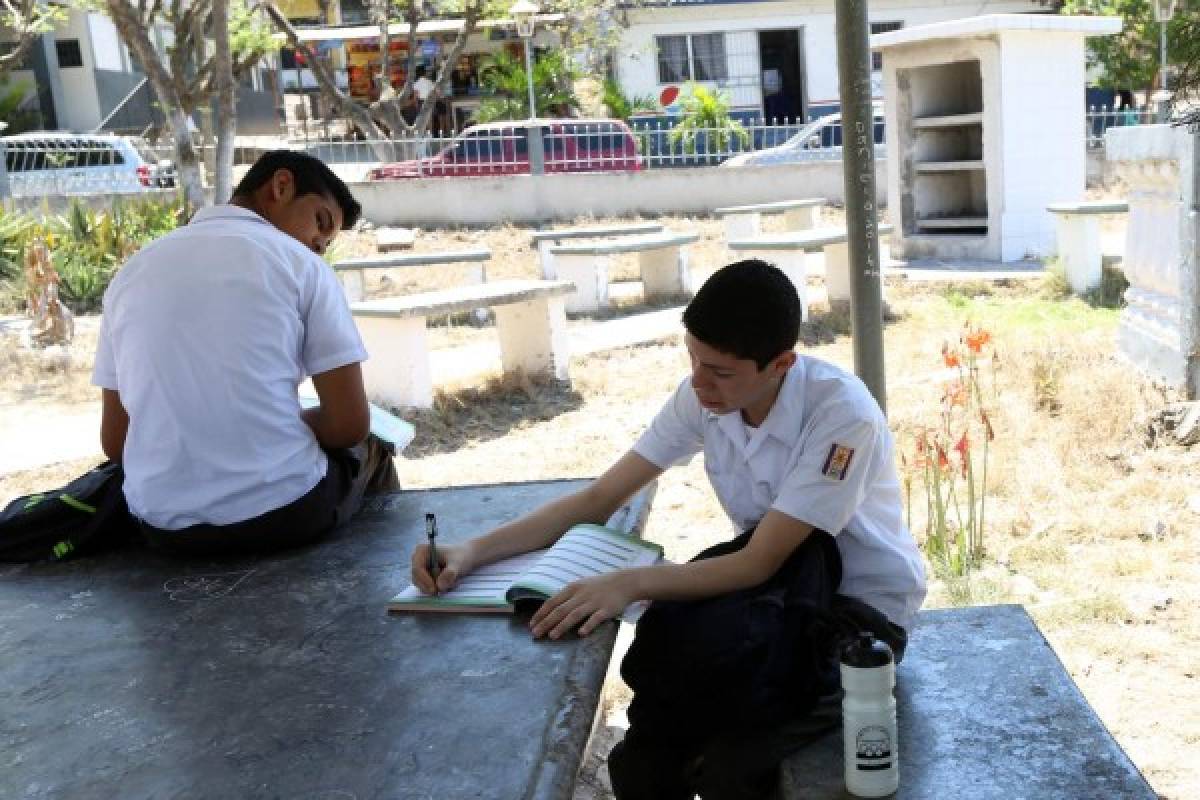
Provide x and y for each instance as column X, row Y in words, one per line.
column 311, row 176
column 748, row 309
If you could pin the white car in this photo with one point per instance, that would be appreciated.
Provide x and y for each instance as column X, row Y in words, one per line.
column 58, row 162
column 819, row 139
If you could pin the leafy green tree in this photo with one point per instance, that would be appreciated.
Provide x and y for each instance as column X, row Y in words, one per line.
column 1130, row 59
column 214, row 43
column 17, row 115
column 706, row 113
column 503, row 75
column 25, row 20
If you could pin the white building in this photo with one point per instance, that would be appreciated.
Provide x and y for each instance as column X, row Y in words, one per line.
column 777, row 58
column 84, row 78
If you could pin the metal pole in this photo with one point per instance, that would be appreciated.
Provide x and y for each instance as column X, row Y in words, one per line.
column 858, row 164
column 529, row 76
column 537, row 154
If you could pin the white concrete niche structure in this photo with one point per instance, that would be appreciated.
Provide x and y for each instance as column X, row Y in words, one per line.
column 1160, row 324
column 985, row 129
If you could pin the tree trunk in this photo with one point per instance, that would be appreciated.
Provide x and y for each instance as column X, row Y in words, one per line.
column 135, row 33
column 226, row 109
column 343, row 102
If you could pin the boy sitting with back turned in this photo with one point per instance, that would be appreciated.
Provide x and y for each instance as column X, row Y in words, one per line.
column 740, row 641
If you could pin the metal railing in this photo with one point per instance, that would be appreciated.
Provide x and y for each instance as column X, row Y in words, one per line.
column 1101, row 118
column 66, row 164
column 79, row 164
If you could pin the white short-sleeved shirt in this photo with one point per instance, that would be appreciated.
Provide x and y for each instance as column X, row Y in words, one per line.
column 207, row 333
column 824, row 456
column 422, row 86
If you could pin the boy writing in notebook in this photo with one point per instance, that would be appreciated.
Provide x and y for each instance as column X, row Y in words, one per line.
column 740, row 641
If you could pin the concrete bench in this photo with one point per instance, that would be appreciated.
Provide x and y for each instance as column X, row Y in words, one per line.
column 352, row 271
column 744, row 222
column 544, row 240
column 985, row 711
column 1077, row 231
column 530, row 319
column 788, row 251
column 662, row 259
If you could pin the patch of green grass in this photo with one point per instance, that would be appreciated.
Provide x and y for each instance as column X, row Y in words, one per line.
column 1010, row 315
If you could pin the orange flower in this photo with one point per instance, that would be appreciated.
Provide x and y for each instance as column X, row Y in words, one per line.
column 987, row 425
column 963, row 447
column 943, row 461
column 921, row 456
column 955, row 394
column 950, row 357
column 977, row 339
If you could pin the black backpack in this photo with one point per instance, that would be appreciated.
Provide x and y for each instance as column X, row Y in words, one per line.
column 87, row 516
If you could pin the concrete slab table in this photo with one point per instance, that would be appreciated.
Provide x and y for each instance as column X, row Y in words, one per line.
column 135, row 676
column 1077, row 240
column 986, row 711
column 743, row 222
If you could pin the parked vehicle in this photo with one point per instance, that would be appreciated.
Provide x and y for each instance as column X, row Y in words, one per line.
column 821, row 138
column 502, row 148
column 58, row 162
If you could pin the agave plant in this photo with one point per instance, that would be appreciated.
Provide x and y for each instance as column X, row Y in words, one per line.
column 706, row 114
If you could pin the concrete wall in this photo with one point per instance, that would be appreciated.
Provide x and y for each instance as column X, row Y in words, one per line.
column 434, row 202
column 1160, row 324
column 637, row 64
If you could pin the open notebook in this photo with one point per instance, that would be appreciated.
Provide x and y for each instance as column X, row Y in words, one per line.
column 583, row 551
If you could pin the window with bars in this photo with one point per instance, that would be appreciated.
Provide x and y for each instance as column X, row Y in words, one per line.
column 697, row 56
column 882, row 27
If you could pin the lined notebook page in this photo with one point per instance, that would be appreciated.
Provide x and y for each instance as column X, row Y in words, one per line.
column 485, row 587
column 582, row 552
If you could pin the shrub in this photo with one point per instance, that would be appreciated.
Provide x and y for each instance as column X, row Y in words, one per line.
column 87, row 246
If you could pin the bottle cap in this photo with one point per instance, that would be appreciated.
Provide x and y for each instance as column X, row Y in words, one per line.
column 865, row 651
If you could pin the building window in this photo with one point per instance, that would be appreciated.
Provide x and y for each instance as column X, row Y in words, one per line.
column 69, row 54
column 882, row 27
column 699, row 56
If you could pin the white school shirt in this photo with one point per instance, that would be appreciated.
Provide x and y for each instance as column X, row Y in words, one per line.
column 824, row 456
column 207, row 334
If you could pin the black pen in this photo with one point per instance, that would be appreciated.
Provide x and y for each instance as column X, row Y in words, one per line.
column 431, row 534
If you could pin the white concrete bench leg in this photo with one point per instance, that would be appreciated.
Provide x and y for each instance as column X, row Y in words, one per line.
column 837, row 272
column 589, row 273
column 791, row 263
column 533, row 337
column 353, row 284
column 1079, row 250
column 397, row 374
column 664, row 272
column 546, row 259
column 742, row 226
column 801, row 219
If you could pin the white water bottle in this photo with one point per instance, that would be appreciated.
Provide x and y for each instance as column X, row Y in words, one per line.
column 869, row 718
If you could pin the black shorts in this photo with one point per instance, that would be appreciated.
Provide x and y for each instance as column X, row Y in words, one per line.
column 335, row 498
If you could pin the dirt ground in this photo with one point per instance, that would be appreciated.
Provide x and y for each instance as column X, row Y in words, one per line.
column 1092, row 526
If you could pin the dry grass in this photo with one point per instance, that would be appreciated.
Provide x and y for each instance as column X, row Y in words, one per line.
column 1089, row 527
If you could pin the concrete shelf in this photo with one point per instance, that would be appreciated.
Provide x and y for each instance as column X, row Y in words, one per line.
column 950, row 166
column 948, row 121
column 952, row 223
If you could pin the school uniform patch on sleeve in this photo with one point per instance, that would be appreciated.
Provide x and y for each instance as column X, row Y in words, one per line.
column 837, row 463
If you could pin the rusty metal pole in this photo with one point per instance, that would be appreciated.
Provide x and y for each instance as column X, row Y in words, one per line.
column 862, row 225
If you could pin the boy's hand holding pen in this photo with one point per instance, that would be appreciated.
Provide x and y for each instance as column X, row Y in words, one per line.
column 437, row 568
column 434, row 565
